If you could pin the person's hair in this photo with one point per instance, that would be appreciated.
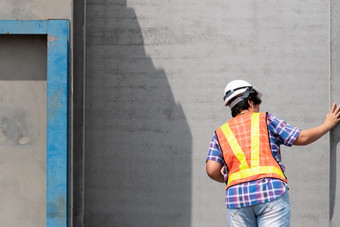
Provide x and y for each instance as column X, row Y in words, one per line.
column 244, row 105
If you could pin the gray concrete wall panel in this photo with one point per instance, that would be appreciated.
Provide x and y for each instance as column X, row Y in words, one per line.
column 35, row 9
column 17, row 61
column 156, row 71
column 77, row 191
column 23, row 130
column 138, row 146
column 23, row 153
column 282, row 48
column 334, row 195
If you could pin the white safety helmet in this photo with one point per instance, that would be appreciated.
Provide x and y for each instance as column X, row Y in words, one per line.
column 238, row 90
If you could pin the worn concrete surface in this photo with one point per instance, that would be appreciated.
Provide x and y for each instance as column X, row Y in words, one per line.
column 334, row 195
column 23, row 111
column 23, row 130
column 138, row 146
column 77, row 192
column 22, row 153
column 35, row 9
column 17, row 49
column 156, row 71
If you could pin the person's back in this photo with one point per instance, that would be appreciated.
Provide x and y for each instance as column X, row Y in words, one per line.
column 245, row 154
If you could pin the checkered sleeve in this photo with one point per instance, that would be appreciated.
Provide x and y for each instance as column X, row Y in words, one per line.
column 284, row 132
column 215, row 152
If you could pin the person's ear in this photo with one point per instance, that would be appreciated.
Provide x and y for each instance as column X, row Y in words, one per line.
column 251, row 104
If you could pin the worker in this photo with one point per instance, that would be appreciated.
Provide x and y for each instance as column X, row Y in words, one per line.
column 245, row 154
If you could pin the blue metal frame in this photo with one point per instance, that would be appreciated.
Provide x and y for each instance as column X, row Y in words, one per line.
column 57, row 32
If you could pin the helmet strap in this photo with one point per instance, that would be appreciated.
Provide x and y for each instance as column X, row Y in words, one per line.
column 245, row 95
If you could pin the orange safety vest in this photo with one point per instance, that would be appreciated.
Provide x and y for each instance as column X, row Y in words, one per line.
column 244, row 141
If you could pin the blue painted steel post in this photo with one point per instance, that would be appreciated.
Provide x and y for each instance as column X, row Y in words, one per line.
column 57, row 122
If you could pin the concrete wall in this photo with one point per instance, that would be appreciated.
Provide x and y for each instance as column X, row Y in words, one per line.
column 23, row 114
column 23, row 130
column 138, row 146
column 334, row 195
column 35, row 9
column 155, row 74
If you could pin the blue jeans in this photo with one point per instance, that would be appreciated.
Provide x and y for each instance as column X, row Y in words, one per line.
column 275, row 213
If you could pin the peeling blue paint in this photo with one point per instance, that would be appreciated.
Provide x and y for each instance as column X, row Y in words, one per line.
column 57, row 110
column 57, row 121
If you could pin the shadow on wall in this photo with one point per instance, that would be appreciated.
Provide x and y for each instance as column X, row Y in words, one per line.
column 334, row 141
column 137, row 143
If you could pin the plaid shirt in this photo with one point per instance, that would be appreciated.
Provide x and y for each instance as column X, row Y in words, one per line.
column 266, row 189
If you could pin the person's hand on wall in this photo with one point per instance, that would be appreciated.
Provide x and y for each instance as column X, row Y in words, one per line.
column 308, row 136
column 333, row 117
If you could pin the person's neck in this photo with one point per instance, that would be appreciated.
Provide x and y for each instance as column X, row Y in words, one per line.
column 243, row 112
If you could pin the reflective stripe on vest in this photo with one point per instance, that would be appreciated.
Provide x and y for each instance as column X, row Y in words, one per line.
column 239, row 169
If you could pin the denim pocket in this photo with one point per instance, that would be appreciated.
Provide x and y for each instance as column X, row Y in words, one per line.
column 279, row 203
column 232, row 212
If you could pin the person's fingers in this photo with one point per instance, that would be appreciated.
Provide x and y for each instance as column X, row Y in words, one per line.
column 337, row 110
column 333, row 108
